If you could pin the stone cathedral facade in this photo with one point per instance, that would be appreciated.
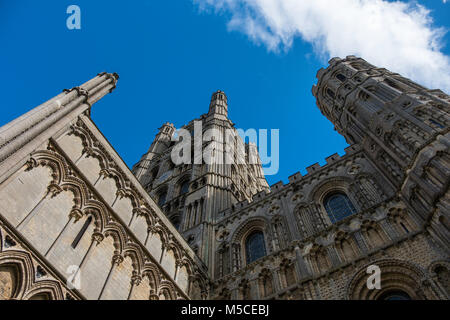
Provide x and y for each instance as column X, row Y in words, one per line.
column 76, row 223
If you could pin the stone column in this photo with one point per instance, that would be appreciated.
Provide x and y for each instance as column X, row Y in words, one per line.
column 117, row 259
column 21, row 131
column 302, row 267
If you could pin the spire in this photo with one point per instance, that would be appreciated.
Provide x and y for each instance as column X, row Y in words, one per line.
column 163, row 138
column 17, row 133
column 160, row 144
column 219, row 104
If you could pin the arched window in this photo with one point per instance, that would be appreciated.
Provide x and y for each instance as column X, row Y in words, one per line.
column 255, row 247
column 341, row 77
column 154, row 173
column 330, row 93
column 162, row 198
column 176, row 221
column 338, row 206
column 9, row 280
column 41, row 296
column 184, row 188
column 82, row 232
column 395, row 295
column 443, row 277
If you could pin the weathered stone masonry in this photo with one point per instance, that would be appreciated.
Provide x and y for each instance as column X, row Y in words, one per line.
column 67, row 200
column 200, row 231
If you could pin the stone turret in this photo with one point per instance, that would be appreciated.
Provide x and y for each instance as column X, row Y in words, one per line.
column 219, row 105
column 391, row 116
column 160, row 144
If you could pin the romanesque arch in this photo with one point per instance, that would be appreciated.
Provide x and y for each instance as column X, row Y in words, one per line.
column 396, row 276
column 240, row 236
column 440, row 272
column 328, row 188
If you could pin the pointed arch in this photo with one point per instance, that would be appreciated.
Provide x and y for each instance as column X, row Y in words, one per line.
column 118, row 235
column 154, row 275
column 24, row 269
column 9, row 281
column 167, row 290
column 47, row 289
column 134, row 251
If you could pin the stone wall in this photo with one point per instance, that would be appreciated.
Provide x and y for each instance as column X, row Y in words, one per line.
column 84, row 214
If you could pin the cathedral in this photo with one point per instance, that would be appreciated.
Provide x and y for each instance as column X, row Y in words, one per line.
column 77, row 224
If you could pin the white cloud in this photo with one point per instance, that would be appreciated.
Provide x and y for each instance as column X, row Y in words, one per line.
column 395, row 35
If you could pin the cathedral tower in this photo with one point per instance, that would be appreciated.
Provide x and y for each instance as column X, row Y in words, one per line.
column 390, row 116
column 402, row 127
column 195, row 195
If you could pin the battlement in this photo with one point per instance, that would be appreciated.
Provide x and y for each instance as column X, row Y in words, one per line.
column 293, row 179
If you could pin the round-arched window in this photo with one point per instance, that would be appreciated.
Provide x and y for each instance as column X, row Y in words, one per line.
column 341, row 77
column 338, row 206
column 394, row 296
column 255, row 247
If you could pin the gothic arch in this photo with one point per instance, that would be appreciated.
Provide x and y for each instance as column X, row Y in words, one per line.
column 440, row 272
column 154, row 275
column 94, row 149
column 26, row 283
column 167, row 289
column 119, row 237
column 133, row 195
column 113, row 174
column 96, row 212
column 49, row 289
column 63, row 180
column 161, row 231
column 148, row 216
column 134, row 251
column 24, row 270
column 175, row 249
column 395, row 275
column 9, row 281
column 83, row 134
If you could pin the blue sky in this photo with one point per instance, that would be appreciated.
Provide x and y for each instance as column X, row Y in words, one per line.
column 171, row 55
